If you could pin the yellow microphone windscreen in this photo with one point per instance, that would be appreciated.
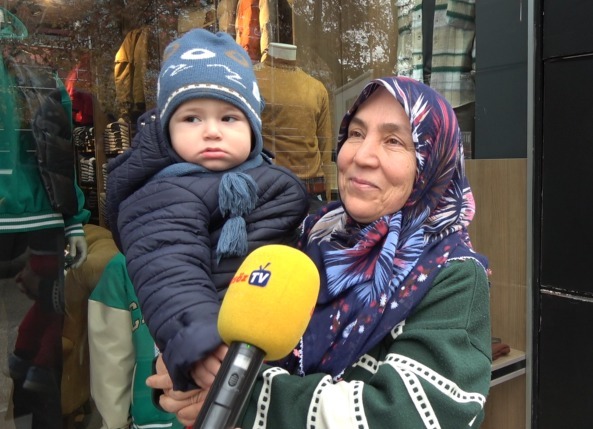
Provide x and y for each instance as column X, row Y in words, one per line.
column 270, row 300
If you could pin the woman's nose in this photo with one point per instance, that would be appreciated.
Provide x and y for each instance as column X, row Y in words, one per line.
column 367, row 152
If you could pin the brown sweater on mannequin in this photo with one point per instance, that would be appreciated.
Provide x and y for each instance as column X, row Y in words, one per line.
column 296, row 119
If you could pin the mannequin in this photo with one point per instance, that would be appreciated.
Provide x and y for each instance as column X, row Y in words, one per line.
column 282, row 51
column 296, row 119
column 43, row 212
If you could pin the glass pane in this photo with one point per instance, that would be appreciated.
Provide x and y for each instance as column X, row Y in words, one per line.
column 91, row 67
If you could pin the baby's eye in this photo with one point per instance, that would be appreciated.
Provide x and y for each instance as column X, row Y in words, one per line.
column 229, row 118
column 192, row 119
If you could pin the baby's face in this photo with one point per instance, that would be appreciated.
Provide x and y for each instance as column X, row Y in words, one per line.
column 211, row 133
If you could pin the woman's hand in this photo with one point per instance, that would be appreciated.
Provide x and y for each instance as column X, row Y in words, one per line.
column 204, row 371
column 161, row 379
column 187, row 405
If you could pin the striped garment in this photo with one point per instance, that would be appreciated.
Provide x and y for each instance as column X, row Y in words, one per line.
column 24, row 201
column 453, row 50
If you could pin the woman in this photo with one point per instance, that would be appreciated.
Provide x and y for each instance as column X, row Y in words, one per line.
column 400, row 336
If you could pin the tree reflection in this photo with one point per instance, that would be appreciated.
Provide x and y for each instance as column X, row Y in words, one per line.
column 350, row 36
column 338, row 40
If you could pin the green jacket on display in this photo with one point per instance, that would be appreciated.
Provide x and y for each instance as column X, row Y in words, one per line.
column 38, row 188
column 121, row 351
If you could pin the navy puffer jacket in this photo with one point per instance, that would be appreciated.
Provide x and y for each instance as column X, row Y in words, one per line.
column 168, row 230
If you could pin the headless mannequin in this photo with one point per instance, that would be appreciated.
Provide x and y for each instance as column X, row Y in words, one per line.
column 280, row 54
column 296, row 120
column 282, row 51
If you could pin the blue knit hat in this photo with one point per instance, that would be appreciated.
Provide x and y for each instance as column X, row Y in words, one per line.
column 201, row 64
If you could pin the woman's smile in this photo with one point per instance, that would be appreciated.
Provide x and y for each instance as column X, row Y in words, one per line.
column 362, row 184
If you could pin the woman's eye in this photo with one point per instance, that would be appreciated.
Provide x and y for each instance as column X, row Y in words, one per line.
column 354, row 134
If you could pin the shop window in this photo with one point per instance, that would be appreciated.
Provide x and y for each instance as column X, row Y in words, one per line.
column 311, row 59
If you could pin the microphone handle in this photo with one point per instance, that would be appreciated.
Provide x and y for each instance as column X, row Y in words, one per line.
column 231, row 388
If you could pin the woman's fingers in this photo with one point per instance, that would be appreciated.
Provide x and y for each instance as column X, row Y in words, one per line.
column 186, row 405
column 188, row 415
column 205, row 370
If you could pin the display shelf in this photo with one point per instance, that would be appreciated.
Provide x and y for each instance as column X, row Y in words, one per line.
column 508, row 367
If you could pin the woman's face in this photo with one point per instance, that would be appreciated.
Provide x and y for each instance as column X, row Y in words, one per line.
column 377, row 162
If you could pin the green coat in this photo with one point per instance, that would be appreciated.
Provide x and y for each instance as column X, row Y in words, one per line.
column 433, row 371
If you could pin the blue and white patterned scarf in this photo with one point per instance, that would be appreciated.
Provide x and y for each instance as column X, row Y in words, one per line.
column 373, row 276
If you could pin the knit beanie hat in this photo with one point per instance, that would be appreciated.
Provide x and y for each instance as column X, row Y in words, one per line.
column 201, row 64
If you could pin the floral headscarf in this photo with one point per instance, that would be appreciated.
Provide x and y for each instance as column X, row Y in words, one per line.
column 373, row 276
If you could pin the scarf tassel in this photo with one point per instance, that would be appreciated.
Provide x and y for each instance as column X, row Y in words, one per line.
column 233, row 238
column 237, row 195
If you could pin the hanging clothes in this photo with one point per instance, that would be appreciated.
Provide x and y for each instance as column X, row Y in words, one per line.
column 452, row 62
column 247, row 28
column 135, row 73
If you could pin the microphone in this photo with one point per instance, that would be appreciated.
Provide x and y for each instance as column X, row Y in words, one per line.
column 263, row 315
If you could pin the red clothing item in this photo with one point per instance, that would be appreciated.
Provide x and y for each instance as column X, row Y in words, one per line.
column 40, row 337
column 82, row 107
column 44, row 265
column 247, row 28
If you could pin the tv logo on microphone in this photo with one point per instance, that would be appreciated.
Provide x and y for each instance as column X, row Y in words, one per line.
column 260, row 277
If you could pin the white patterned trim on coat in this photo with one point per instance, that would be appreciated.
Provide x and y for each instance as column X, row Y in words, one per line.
column 337, row 405
column 412, row 371
column 263, row 402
